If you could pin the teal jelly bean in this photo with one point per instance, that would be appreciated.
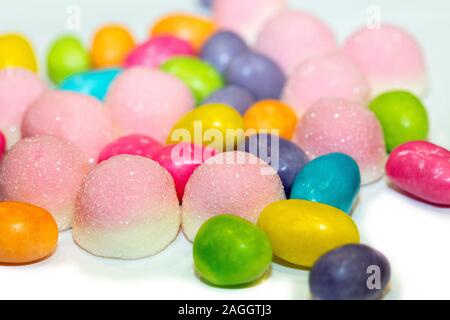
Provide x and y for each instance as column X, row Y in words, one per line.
column 93, row 83
column 333, row 179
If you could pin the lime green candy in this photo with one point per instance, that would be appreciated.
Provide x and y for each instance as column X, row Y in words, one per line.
column 230, row 251
column 199, row 76
column 402, row 116
column 67, row 57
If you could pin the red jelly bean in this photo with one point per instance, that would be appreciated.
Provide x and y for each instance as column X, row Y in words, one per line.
column 134, row 144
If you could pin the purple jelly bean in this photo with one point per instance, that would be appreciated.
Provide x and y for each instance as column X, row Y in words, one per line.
column 234, row 96
column 206, row 3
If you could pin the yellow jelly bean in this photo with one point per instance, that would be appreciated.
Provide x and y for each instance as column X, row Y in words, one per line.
column 217, row 126
column 16, row 51
column 302, row 231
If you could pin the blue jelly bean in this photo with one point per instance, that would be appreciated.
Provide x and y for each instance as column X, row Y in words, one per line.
column 333, row 179
column 94, row 83
column 234, row 96
column 283, row 155
column 352, row 272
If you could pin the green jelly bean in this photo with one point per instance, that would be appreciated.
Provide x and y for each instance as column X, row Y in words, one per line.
column 199, row 76
column 402, row 116
column 230, row 251
column 66, row 57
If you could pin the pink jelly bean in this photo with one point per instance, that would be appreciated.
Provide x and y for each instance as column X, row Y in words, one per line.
column 421, row 169
column 2, row 144
column 157, row 50
column 181, row 160
column 135, row 144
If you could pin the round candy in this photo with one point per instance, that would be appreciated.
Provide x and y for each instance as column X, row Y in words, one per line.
column 199, row 76
column 245, row 17
column 402, row 116
column 268, row 115
column 147, row 101
column 16, row 51
column 72, row 116
column 214, row 125
column 302, row 231
column 94, row 83
column 181, row 160
column 258, row 74
column 127, row 209
column 421, row 169
column 234, row 182
column 336, row 125
column 27, row 233
column 230, row 251
column 352, row 272
column 234, row 96
column 390, row 58
column 66, row 57
column 283, row 155
column 292, row 36
column 110, row 46
column 135, row 144
column 332, row 179
column 45, row 171
column 222, row 48
column 18, row 89
column 2, row 144
column 324, row 77
column 193, row 29
column 158, row 50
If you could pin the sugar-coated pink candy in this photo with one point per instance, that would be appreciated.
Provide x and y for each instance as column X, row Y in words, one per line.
column 246, row 18
column 150, row 102
column 18, row 89
column 135, row 144
column 127, row 209
column 336, row 125
column 233, row 182
column 45, row 171
column 76, row 117
column 332, row 75
column 155, row 51
column 292, row 36
column 2, row 144
column 390, row 57
column 421, row 169
column 181, row 160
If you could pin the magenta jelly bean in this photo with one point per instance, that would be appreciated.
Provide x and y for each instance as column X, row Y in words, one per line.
column 135, row 144
column 421, row 169
column 2, row 144
column 158, row 50
column 181, row 160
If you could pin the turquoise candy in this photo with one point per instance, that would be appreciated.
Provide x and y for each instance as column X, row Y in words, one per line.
column 333, row 179
column 94, row 83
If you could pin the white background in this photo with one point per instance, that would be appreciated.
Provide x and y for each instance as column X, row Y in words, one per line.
column 415, row 236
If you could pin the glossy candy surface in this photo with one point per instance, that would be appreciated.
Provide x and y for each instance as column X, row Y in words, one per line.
column 332, row 179
column 16, row 51
column 199, row 76
column 234, row 96
column 230, row 251
column 181, row 160
column 45, row 171
column 402, row 116
column 2, row 144
column 302, row 231
column 352, row 272
column 158, row 50
column 421, row 169
column 110, row 46
column 94, row 83
column 267, row 115
column 67, row 56
column 135, row 144
column 27, row 233
column 234, row 182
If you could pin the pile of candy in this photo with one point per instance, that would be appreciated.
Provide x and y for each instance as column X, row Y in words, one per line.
column 253, row 131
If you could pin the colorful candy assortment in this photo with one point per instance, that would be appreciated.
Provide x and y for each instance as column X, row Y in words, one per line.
column 251, row 131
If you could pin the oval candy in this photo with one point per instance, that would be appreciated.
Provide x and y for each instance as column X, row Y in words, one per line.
column 16, row 51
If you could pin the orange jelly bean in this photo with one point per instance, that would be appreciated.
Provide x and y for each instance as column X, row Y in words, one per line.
column 269, row 115
column 27, row 233
column 111, row 45
column 193, row 29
